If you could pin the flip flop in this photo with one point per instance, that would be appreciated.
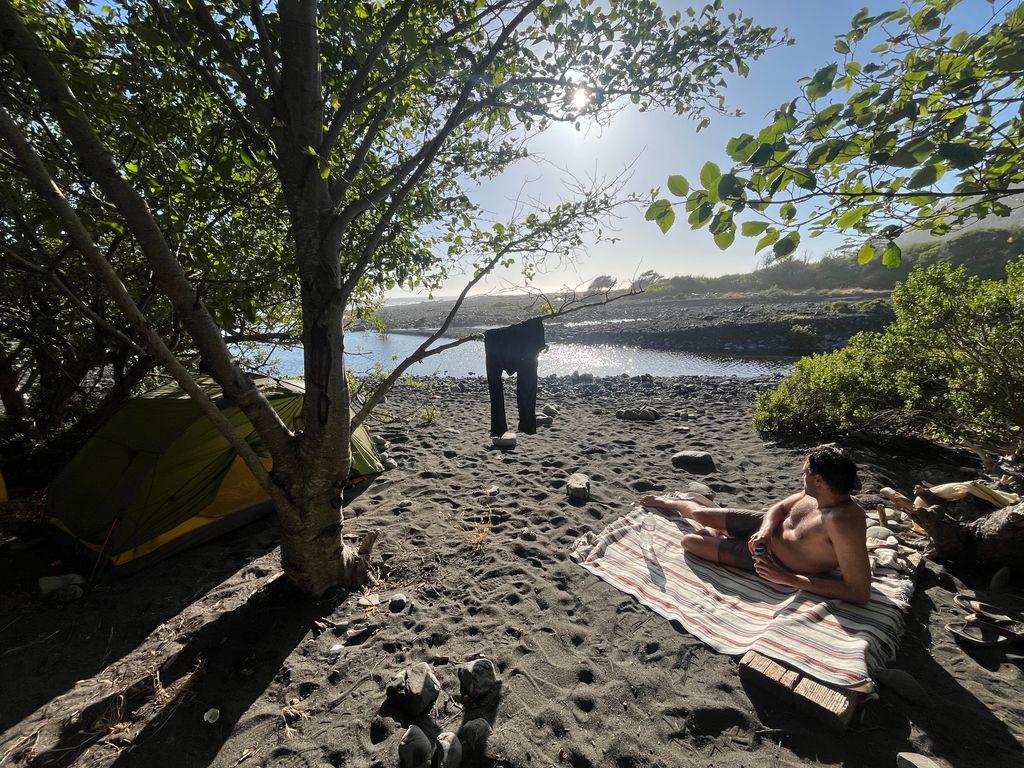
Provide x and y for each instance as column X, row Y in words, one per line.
column 979, row 632
column 988, row 611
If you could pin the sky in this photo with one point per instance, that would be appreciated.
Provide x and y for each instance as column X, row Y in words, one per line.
column 655, row 144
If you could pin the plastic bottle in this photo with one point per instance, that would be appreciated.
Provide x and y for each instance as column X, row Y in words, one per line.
column 647, row 528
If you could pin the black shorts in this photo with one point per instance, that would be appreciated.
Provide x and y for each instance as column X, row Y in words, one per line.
column 740, row 525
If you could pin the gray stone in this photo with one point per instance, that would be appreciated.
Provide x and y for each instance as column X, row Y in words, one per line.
column 695, row 461
column 414, row 750
column 696, row 487
column 397, row 602
column 414, row 690
column 879, row 532
column 507, row 440
column 68, row 593
column 368, row 601
column 578, row 486
column 543, row 420
column 49, row 585
column 379, row 442
column 390, row 463
column 1001, row 578
column 492, row 491
column 477, row 678
column 914, row 760
column 549, row 410
column 905, row 685
column 447, row 751
column 474, row 734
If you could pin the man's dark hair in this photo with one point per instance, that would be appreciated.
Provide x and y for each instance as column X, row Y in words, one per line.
column 835, row 466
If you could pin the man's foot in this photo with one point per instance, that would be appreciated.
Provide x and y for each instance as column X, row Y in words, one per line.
column 679, row 506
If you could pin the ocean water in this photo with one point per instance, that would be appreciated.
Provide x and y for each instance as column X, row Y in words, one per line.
column 364, row 350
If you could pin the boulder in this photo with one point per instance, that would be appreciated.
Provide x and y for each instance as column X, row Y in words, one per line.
column 694, row 461
column 414, row 750
column 477, row 678
column 474, row 734
column 447, row 751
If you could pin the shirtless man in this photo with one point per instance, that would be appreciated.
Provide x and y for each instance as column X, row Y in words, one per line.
column 817, row 530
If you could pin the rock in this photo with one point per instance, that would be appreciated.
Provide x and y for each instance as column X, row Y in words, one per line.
column 68, row 593
column 448, row 453
column 414, row 691
column 492, row 491
column 474, row 734
column 528, row 534
column 48, row 585
column 914, row 760
column 905, row 685
column 390, row 463
column 397, row 602
column 695, row 487
column 368, row 601
column 379, row 442
column 507, row 440
column 643, row 486
column 542, row 420
column 694, row 461
column 1001, row 578
column 879, row 532
column 414, row 750
column 477, row 678
column 447, row 751
column 549, row 410
column 643, row 413
column 578, row 486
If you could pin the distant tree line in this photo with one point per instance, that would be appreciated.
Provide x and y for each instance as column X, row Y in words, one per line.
column 984, row 253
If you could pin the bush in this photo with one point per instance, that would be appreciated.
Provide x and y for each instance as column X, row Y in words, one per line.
column 801, row 338
column 951, row 365
column 873, row 306
column 841, row 307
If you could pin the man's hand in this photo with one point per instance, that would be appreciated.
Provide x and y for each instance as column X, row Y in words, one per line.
column 759, row 539
column 769, row 570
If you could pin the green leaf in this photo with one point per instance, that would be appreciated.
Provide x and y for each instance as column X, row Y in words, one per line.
column 787, row 211
column 656, row 208
column 866, row 253
column 709, row 174
column 725, row 238
column 762, row 154
column 771, row 236
column 701, row 215
column 666, row 219
column 741, row 148
column 821, row 83
column 852, row 217
column 727, row 186
column 841, row 47
column 924, row 177
column 892, row 256
column 678, row 186
column 753, row 228
column 786, row 245
column 960, row 155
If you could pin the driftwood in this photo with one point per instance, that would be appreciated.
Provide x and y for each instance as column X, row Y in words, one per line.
column 993, row 540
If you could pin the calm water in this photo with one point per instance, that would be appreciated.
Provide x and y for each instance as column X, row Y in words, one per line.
column 364, row 350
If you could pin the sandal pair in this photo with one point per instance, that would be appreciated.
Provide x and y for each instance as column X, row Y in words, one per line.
column 986, row 625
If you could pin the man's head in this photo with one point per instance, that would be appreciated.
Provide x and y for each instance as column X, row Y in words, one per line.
column 833, row 466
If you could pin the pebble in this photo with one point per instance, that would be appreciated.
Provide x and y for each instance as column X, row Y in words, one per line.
column 879, row 532
column 542, row 420
column 414, row 750
column 449, row 453
column 368, row 601
column 390, row 463
column 507, row 440
column 549, row 410
column 492, row 491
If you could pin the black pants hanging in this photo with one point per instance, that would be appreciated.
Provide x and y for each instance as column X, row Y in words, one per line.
column 514, row 350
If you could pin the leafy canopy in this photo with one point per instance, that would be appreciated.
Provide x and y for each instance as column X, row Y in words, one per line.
column 926, row 135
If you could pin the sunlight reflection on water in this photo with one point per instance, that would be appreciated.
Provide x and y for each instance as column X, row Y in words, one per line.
column 364, row 350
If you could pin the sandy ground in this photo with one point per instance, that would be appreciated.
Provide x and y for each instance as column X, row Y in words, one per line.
column 125, row 675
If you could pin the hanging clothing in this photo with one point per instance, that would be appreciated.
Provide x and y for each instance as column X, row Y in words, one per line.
column 514, row 349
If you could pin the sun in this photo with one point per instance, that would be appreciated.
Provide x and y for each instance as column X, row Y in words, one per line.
column 580, row 99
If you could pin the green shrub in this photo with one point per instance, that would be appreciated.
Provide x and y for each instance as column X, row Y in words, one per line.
column 801, row 338
column 951, row 365
column 841, row 307
column 872, row 306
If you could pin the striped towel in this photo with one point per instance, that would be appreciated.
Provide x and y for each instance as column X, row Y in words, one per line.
column 734, row 611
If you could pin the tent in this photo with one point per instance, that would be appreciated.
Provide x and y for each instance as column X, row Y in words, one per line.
column 158, row 477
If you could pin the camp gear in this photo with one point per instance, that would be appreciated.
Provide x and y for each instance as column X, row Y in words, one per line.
column 159, row 477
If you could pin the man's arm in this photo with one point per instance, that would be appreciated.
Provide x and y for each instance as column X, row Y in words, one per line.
column 773, row 519
column 847, row 532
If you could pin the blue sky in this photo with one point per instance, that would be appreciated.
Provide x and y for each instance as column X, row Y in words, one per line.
column 657, row 144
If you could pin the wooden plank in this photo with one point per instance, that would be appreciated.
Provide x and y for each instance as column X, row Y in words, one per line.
column 769, row 675
column 829, row 705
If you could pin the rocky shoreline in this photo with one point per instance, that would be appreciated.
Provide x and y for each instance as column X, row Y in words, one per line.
column 759, row 325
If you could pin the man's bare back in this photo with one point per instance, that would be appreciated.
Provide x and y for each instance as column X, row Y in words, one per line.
column 807, row 536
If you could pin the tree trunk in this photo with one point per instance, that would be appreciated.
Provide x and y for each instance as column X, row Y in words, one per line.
column 993, row 540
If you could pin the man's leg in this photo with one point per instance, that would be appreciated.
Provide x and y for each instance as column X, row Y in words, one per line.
column 738, row 524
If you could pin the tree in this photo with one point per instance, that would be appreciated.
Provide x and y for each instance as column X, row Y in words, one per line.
column 602, row 283
column 927, row 137
column 368, row 120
